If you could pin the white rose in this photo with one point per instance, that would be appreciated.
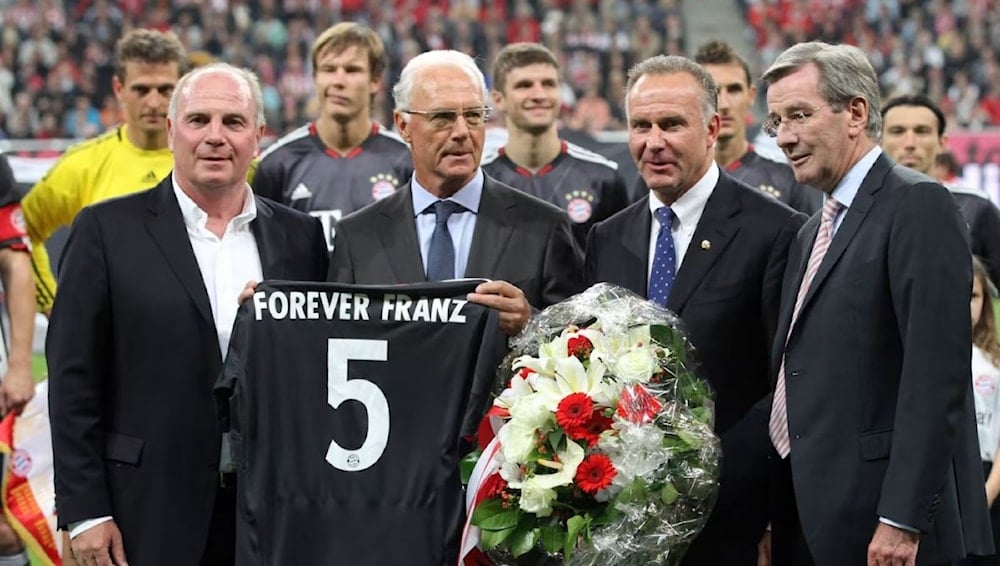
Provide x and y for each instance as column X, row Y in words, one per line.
column 530, row 411
column 636, row 366
column 516, row 441
column 537, row 500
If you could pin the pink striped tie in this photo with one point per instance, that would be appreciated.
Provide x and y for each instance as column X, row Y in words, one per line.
column 779, row 413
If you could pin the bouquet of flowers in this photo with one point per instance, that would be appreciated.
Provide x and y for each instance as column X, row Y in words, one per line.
column 603, row 450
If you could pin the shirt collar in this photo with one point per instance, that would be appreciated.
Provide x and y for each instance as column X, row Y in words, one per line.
column 848, row 187
column 688, row 208
column 468, row 196
column 195, row 218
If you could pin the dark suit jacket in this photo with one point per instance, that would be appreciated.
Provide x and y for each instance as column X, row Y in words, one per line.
column 878, row 379
column 983, row 219
column 727, row 295
column 518, row 238
column 133, row 355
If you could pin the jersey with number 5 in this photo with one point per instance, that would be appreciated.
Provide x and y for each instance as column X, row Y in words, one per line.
column 347, row 407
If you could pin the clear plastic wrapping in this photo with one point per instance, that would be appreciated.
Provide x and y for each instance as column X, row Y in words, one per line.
column 604, row 451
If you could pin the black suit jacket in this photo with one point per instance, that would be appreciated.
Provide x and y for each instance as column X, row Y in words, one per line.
column 878, row 379
column 518, row 238
column 133, row 355
column 727, row 294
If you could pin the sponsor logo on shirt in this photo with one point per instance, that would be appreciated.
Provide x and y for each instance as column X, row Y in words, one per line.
column 301, row 192
column 383, row 185
column 580, row 205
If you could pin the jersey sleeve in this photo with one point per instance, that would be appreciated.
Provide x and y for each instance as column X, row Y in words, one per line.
column 51, row 204
column 268, row 181
column 8, row 185
column 12, row 231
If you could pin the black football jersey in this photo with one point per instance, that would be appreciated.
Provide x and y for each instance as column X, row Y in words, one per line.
column 347, row 408
column 8, row 185
column 777, row 180
column 300, row 171
column 584, row 184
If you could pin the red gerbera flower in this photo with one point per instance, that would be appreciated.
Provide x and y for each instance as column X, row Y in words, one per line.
column 591, row 429
column 580, row 346
column 595, row 473
column 574, row 410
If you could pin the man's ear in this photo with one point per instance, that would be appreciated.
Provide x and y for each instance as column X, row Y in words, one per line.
column 402, row 126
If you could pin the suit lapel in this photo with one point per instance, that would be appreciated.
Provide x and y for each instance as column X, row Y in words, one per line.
column 716, row 227
column 634, row 263
column 166, row 226
column 492, row 230
column 853, row 219
column 399, row 237
column 269, row 240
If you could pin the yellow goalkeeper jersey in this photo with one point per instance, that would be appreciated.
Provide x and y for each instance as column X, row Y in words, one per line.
column 103, row 167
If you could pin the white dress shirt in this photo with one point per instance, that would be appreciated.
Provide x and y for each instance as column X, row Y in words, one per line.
column 461, row 225
column 687, row 212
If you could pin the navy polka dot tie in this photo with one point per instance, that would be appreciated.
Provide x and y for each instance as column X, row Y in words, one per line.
column 661, row 277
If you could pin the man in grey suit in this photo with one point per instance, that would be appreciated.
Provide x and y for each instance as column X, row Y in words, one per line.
column 451, row 220
column 729, row 243
column 872, row 418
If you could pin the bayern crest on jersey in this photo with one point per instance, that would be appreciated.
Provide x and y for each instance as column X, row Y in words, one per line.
column 580, row 205
column 383, row 185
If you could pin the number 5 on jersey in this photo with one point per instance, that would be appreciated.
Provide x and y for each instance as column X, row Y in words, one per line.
column 339, row 389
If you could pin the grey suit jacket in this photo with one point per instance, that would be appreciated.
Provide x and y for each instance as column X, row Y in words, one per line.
column 878, row 378
column 133, row 356
column 518, row 238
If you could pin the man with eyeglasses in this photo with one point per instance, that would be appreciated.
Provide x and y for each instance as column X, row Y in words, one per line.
column 712, row 250
column 451, row 220
column 876, row 453
column 344, row 160
column 584, row 184
column 733, row 151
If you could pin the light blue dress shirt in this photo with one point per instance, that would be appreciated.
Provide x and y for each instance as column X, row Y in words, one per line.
column 460, row 224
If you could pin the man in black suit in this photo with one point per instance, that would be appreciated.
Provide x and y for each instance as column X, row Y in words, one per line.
column 147, row 299
column 872, row 421
column 725, row 247
column 490, row 230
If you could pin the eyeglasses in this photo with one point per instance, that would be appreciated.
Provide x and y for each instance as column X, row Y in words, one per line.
column 445, row 119
column 794, row 119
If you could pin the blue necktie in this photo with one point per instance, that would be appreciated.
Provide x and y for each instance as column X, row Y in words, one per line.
column 441, row 256
column 661, row 278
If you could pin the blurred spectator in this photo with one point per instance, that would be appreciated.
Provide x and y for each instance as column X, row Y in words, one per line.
column 945, row 50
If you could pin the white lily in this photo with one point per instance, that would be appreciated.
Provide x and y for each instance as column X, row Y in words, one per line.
column 572, row 377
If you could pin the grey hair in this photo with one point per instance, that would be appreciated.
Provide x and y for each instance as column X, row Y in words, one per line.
column 671, row 65
column 844, row 73
column 402, row 92
column 248, row 79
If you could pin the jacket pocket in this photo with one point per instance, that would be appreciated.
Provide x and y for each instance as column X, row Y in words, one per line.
column 876, row 445
column 123, row 448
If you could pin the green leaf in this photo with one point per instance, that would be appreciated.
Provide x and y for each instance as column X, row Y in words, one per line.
column 552, row 537
column 491, row 539
column 634, row 491
column 491, row 515
column 669, row 494
column 574, row 526
column 467, row 464
column 523, row 539
column 691, row 440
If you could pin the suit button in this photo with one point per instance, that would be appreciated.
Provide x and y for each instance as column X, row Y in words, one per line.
column 798, row 436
